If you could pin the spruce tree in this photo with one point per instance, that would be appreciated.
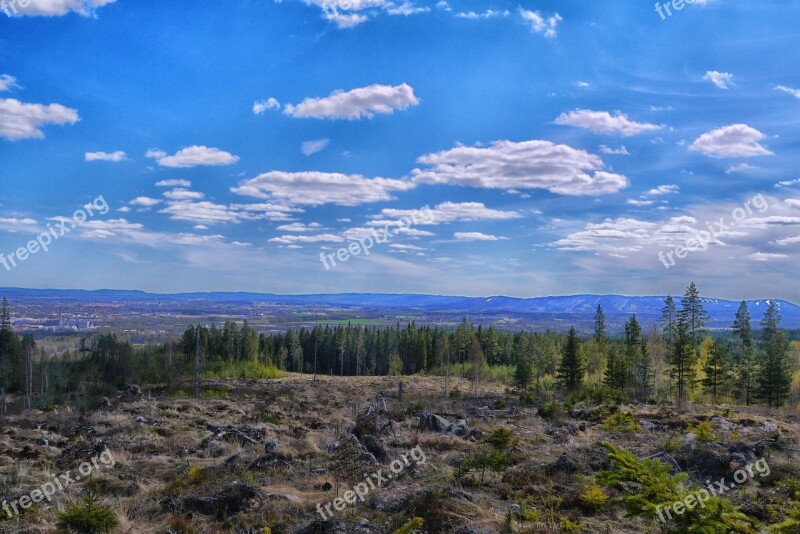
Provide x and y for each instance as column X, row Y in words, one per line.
column 682, row 363
column 746, row 363
column 692, row 314
column 715, row 369
column 775, row 377
column 570, row 372
column 669, row 315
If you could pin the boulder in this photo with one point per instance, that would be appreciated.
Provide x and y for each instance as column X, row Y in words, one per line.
column 433, row 422
column 458, row 428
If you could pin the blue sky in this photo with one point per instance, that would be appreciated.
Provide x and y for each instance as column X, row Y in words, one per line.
column 560, row 147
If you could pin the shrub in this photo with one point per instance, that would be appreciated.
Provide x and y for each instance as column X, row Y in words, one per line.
column 550, row 410
column 593, row 497
column 703, row 431
column 410, row 527
column 647, row 488
column 567, row 525
column 89, row 516
column 621, row 422
column 455, row 393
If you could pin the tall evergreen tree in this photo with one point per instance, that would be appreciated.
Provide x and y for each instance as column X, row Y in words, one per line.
column 669, row 316
column 682, row 363
column 572, row 367
column 715, row 369
column 746, row 363
column 692, row 314
column 775, row 378
column 600, row 326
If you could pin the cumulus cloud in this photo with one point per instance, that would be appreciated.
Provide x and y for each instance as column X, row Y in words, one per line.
column 350, row 13
column 734, row 141
column 539, row 23
column 317, row 188
column 183, row 194
column 506, row 165
column 261, row 106
column 488, row 14
column 605, row 122
column 145, row 202
column 723, row 80
column 356, row 103
column 203, row 212
column 117, row 156
column 174, row 183
column 55, row 8
column 19, row 120
column 299, row 227
column 321, row 238
column 663, row 190
column 312, row 147
column 443, row 213
column 476, row 236
column 742, row 167
column 193, row 156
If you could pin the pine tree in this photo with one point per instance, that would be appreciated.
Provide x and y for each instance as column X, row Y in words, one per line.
column 682, row 363
column 600, row 326
column 775, row 378
column 692, row 314
column 715, row 369
column 746, row 362
column 570, row 372
column 669, row 314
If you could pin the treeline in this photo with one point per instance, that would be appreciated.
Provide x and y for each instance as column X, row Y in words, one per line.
column 675, row 359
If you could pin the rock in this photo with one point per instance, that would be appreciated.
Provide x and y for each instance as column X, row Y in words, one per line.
column 564, row 464
column 769, row 427
column 232, row 500
column 146, row 421
column 724, row 424
column 379, row 449
column 458, row 428
column 433, row 422
column 319, row 526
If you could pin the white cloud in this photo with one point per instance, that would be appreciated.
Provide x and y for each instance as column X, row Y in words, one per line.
column 174, row 183
column 508, row 165
column 145, row 202
column 317, row 188
column 55, row 8
column 621, row 151
column 321, row 238
column 742, row 167
column 488, row 14
column 723, row 80
column 193, row 156
column 299, row 227
column 663, row 190
column 19, row 120
column 183, row 194
column 270, row 211
column 7, row 82
column 734, row 141
column 444, row 213
column 351, row 13
column 794, row 92
column 261, row 106
column 117, row 156
column 312, row 147
column 357, row 103
column 605, row 122
column 475, row 236
column 639, row 203
column 203, row 212
column 540, row 23
column 765, row 256
column 788, row 183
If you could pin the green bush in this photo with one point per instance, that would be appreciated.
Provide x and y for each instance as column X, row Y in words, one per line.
column 621, row 422
column 410, row 527
column 89, row 516
column 703, row 431
column 551, row 410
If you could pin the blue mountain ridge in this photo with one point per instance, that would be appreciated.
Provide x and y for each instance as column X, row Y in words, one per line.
column 721, row 312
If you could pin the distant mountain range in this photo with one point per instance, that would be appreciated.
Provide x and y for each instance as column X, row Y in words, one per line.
column 577, row 308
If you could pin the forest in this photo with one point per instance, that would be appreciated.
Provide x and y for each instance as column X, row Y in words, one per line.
column 676, row 360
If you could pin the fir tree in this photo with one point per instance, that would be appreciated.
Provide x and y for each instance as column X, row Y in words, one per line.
column 570, row 372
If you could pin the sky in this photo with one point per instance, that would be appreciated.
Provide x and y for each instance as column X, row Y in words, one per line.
column 467, row 148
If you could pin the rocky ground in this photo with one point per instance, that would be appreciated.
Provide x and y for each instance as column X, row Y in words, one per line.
column 260, row 456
